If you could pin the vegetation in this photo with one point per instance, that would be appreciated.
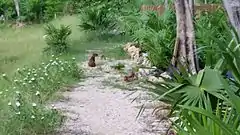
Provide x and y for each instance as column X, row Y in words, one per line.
column 57, row 38
column 202, row 103
column 29, row 78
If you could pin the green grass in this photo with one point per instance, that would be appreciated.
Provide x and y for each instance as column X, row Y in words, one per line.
column 23, row 46
column 21, row 49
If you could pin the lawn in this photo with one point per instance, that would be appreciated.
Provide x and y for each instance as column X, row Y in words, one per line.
column 23, row 46
column 29, row 79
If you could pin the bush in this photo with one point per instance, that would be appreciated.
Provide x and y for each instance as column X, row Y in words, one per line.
column 7, row 9
column 95, row 19
column 57, row 39
column 101, row 15
column 215, row 24
column 154, row 33
column 24, row 97
column 38, row 10
column 206, row 103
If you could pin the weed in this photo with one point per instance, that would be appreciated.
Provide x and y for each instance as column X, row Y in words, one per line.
column 23, row 97
column 57, row 38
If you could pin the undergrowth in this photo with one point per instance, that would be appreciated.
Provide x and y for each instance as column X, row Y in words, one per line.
column 24, row 96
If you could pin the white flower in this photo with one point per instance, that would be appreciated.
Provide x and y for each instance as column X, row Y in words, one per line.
column 74, row 58
column 17, row 92
column 34, row 104
column 24, row 83
column 39, row 69
column 18, row 69
column 35, row 75
column 30, row 81
column 43, row 63
column 33, row 79
column 25, row 79
column 6, row 90
column 15, row 81
column 4, row 75
column 46, row 74
column 52, row 55
column 9, row 103
column 1, row 92
column 144, row 54
column 18, row 113
column 57, row 59
column 41, row 78
column 62, row 69
column 29, row 73
column 33, row 117
column 14, row 87
column 18, row 104
column 42, row 118
column 51, row 60
column 37, row 93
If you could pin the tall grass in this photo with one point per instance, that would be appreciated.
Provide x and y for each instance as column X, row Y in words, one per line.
column 25, row 94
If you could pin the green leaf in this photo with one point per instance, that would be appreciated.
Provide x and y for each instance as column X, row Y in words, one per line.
column 225, row 128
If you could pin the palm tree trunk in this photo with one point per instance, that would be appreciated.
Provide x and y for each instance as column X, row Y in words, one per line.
column 233, row 10
column 185, row 46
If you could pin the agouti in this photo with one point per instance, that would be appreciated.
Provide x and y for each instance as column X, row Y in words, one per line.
column 91, row 62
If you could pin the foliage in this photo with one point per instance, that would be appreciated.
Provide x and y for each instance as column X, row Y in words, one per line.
column 215, row 24
column 206, row 103
column 95, row 19
column 23, row 97
column 38, row 10
column 7, row 8
column 57, row 39
column 154, row 33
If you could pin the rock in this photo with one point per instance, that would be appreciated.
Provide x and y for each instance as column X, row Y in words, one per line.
column 165, row 75
column 129, row 45
column 155, row 79
column 132, row 51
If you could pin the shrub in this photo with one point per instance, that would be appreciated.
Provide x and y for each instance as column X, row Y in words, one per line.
column 57, row 38
column 206, row 103
column 101, row 15
column 38, row 10
column 154, row 33
column 215, row 24
column 24, row 97
column 95, row 19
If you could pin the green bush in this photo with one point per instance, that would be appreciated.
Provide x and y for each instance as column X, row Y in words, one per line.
column 101, row 15
column 95, row 19
column 214, row 24
column 7, row 9
column 24, row 96
column 57, row 38
column 38, row 10
column 208, row 102
column 155, row 34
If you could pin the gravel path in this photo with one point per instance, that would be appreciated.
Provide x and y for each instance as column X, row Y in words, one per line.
column 94, row 108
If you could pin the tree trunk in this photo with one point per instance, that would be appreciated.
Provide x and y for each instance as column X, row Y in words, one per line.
column 16, row 2
column 233, row 10
column 185, row 46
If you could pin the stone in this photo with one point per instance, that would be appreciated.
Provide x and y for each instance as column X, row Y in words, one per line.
column 165, row 75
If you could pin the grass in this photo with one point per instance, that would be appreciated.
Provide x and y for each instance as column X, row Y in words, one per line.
column 29, row 79
column 23, row 46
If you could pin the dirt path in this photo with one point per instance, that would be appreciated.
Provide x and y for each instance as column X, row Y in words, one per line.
column 95, row 108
